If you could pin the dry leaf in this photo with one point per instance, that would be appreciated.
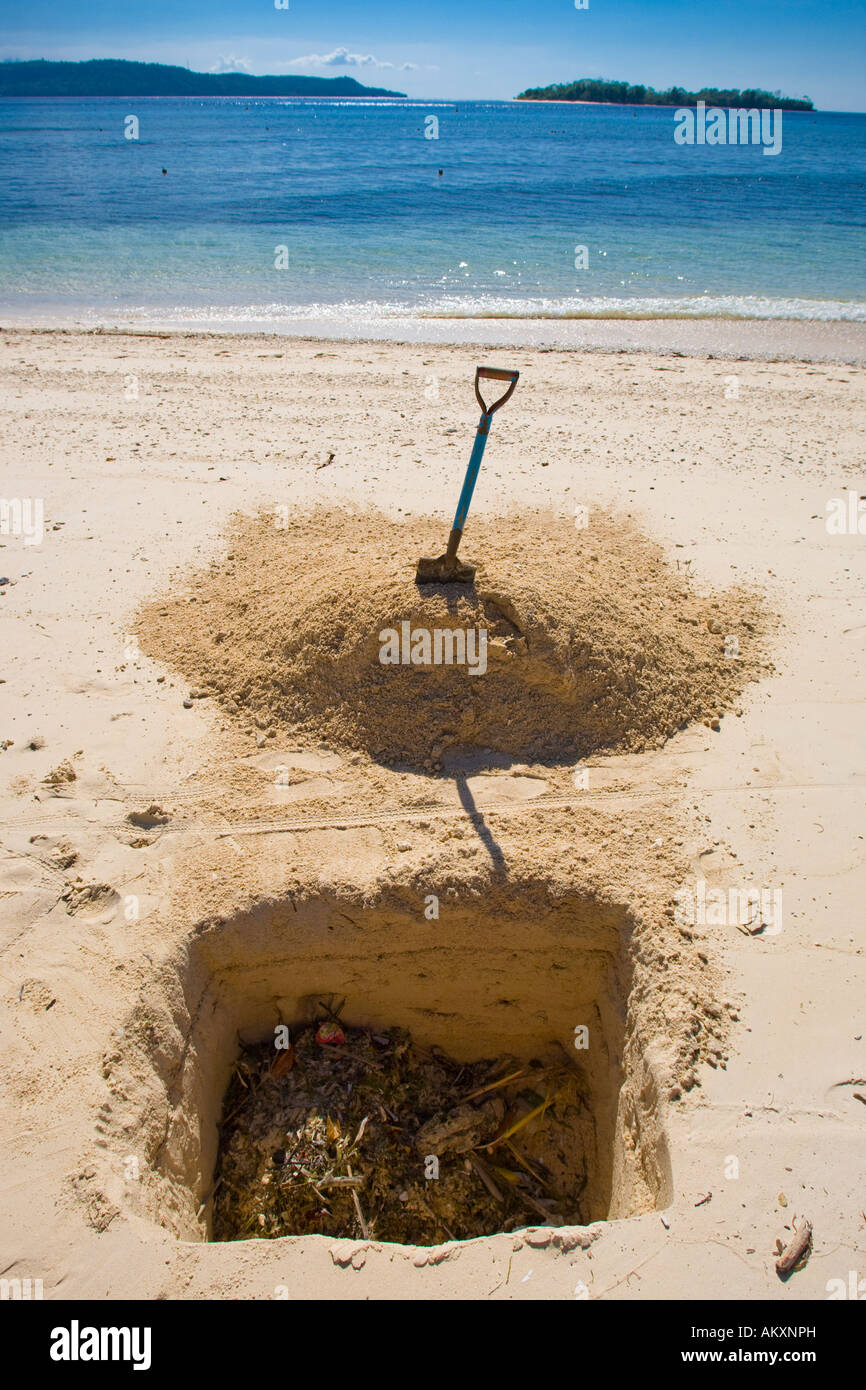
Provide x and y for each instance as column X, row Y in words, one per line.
column 284, row 1062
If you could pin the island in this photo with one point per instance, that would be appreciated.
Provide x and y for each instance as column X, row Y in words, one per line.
column 597, row 89
column 115, row 77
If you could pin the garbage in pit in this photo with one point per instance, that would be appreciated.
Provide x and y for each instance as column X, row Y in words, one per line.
column 357, row 1134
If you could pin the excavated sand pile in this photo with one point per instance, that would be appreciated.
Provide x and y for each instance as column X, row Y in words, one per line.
column 572, row 640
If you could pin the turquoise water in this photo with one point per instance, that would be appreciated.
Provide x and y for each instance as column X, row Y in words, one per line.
column 92, row 229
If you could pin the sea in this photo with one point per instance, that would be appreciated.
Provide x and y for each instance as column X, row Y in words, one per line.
column 287, row 214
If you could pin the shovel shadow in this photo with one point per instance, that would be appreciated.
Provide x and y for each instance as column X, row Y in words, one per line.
column 482, row 830
column 451, row 593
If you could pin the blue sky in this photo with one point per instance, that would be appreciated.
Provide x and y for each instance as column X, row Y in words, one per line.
column 482, row 49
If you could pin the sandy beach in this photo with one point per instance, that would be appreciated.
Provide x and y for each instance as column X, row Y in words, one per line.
column 151, row 866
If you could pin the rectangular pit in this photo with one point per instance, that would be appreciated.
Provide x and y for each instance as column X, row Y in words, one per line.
column 516, row 975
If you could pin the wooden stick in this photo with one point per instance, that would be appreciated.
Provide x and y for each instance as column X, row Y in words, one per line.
column 483, row 1172
column 527, row 1166
column 365, row 1229
column 796, row 1247
column 532, row 1204
column 495, row 1085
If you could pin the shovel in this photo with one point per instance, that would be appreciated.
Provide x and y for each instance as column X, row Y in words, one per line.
column 447, row 569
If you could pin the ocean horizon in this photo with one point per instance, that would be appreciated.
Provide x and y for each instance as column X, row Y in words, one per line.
column 277, row 213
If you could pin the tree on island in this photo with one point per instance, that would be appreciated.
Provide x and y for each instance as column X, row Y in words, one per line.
column 624, row 94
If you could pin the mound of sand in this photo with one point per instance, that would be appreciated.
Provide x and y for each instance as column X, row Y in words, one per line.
column 572, row 640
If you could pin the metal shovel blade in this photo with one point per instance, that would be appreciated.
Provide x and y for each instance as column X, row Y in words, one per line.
column 443, row 570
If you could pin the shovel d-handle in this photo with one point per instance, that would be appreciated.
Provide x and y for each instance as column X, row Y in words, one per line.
column 494, row 374
column 487, row 412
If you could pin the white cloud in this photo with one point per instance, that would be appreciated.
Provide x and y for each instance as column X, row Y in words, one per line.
column 231, row 65
column 342, row 58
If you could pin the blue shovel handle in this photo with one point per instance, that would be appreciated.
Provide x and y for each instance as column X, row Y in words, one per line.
column 487, row 412
column 472, row 472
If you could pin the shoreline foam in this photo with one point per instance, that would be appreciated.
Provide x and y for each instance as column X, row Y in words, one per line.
column 777, row 340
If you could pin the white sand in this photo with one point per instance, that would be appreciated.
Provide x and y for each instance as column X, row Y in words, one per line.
column 737, row 485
